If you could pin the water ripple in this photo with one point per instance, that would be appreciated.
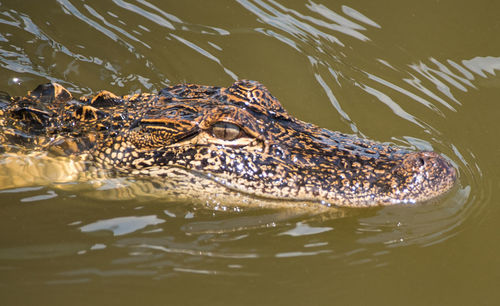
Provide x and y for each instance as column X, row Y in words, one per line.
column 70, row 9
column 204, row 53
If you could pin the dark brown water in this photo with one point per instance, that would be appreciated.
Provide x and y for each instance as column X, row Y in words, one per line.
column 422, row 74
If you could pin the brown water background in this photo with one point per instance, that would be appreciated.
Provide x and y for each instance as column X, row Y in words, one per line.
column 422, row 74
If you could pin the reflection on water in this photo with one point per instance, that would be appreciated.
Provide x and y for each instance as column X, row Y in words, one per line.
column 345, row 54
column 123, row 225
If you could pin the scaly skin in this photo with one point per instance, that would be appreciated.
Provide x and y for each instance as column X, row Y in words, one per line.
column 239, row 137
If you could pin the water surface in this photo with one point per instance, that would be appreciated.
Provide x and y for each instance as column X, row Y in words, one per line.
column 418, row 74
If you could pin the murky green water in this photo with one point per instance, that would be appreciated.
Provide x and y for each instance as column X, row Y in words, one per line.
column 423, row 74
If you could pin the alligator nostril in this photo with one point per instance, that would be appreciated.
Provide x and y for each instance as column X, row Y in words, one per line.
column 424, row 161
column 428, row 162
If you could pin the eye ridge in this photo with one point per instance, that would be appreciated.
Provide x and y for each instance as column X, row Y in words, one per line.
column 226, row 130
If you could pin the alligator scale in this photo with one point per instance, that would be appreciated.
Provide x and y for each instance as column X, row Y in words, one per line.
column 234, row 140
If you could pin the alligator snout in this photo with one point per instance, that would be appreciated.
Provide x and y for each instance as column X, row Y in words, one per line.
column 426, row 175
column 430, row 164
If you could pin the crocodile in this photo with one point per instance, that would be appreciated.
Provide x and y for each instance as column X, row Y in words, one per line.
column 237, row 139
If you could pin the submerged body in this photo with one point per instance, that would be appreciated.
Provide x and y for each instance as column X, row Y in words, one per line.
column 238, row 139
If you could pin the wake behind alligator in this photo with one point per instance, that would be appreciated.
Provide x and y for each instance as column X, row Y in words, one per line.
column 213, row 142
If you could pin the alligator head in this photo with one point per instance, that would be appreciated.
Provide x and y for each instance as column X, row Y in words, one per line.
column 243, row 139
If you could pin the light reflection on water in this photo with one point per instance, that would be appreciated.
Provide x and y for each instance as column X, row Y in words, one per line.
column 151, row 241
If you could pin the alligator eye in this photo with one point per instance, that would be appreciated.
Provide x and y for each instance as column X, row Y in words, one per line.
column 226, row 130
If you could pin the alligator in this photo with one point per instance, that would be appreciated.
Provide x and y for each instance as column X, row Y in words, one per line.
column 221, row 140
